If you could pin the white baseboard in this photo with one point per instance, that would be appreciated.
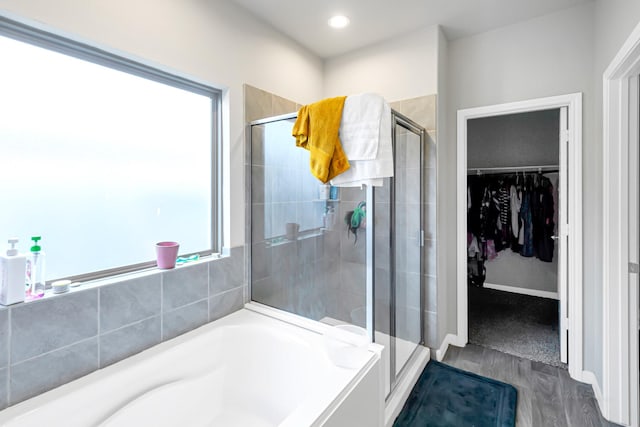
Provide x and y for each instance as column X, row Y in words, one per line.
column 524, row 291
column 449, row 339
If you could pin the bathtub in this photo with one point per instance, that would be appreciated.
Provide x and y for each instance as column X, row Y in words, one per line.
column 246, row 370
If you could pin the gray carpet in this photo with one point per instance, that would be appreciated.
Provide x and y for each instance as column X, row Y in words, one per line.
column 516, row 324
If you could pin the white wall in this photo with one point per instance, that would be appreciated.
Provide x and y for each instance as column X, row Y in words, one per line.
column 216, row 42
column 545, row 56
column 445, row 157
column 401, row 68
column 614, row 21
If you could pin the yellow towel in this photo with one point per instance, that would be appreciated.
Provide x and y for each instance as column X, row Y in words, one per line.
column 316, row 130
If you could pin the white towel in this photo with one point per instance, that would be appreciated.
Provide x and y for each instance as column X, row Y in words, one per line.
column 371, row 172
column 360, row 126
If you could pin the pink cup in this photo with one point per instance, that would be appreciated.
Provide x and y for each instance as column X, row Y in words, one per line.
column 167, row 253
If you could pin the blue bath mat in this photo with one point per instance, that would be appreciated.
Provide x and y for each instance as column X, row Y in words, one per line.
column 448, row 397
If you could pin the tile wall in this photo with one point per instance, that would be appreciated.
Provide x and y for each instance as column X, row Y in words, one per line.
column 47, row 343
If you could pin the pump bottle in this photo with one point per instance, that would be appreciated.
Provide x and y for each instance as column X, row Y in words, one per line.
column 12, row 274
column 35, row 271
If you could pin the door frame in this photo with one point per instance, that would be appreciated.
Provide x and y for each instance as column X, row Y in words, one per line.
column 574, row 214
column 620, row 346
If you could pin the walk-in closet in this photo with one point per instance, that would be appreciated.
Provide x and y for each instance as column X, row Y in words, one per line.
column 513, row 207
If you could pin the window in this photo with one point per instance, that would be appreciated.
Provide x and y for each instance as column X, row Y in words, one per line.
column 101, row 156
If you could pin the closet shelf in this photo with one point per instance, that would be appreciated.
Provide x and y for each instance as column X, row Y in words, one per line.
column 508, row 169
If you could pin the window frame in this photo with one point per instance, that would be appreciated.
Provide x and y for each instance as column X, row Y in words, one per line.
column 86, row 52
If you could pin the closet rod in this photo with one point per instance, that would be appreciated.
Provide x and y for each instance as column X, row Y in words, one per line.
column 545, row 168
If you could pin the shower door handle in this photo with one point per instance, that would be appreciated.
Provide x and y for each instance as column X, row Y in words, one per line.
column 555, row 237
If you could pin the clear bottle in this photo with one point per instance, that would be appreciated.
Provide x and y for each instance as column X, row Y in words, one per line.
column 330, row 218
column 35, row 271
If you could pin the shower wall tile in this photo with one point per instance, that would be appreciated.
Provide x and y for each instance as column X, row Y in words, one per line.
column 65, row 342
column 382, row 285
column 260, row 104
column 429, row 258
column 127, row 341
column 257, row 104
column 352, row 194
column 421, row 110
column 331, row 247
column 53, row 369
column 225, row 303
column 408, row 290
column 430, row 149
column 42, row 326
column 431, row 329
column 284, row 264
column 260, row 261
column 307, row 250
column 4, row 392
column 257, row 184
column 266, row 291
column 129, row 301
column 280, row 105
column 306, row 275
column 353, row 278
column 261, row 215
column 257, row 145
column 352, row 250
column 408, row 186
column 227, row 273
column 184, row 319
column 408, row 256
column 327, row 278
column 185, row 285
column 4, row 337
column 430, row 225
column 351, row 308
column 429, row 185
column 430, row 293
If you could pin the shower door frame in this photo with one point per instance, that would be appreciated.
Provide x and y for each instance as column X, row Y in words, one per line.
column 410, row 125
column 399, row 119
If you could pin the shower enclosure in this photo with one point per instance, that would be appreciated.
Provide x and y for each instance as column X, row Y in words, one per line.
column 304, row 259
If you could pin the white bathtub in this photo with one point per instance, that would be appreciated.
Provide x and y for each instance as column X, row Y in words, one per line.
column 244, row 370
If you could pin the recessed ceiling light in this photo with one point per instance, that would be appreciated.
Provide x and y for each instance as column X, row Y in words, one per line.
column 339, row 21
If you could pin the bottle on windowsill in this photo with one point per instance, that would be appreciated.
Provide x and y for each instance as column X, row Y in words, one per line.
column 35, row 271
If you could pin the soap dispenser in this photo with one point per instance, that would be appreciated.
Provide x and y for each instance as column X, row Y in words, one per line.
column 35, row 271
column 12, row 274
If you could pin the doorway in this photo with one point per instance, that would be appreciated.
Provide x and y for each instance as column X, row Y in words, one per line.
column 513, row 231
column 569, row 267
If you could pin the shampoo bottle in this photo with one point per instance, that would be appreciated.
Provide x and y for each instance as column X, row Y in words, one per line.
column 35, row 271
column 12, row 274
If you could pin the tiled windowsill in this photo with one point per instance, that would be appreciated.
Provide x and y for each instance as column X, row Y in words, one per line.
column 123, row 277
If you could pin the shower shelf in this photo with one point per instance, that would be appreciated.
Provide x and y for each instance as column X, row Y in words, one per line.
column 325, row 200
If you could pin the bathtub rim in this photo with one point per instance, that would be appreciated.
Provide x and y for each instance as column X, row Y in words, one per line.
column 32, row 404
column 320, row 328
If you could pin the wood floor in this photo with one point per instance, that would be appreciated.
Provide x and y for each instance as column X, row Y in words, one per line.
column 547, row 396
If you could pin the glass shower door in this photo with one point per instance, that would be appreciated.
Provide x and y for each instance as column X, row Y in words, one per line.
column 398, row 249
column 407, row 222
column 303, row 258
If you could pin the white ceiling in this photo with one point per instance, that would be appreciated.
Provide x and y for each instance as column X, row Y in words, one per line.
column 375, row 20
